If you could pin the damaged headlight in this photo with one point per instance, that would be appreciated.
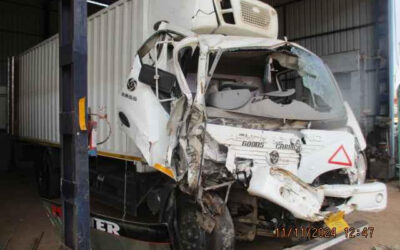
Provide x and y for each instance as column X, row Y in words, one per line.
column 243, row 170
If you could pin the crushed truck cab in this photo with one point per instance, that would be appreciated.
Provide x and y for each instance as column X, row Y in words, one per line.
column 249, row 123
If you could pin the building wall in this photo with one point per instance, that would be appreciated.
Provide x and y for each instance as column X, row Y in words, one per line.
column 25, row 23
column 3, row 108
column 337, row 30
column 22, row 25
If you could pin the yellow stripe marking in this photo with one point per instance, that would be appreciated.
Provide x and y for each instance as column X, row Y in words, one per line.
column 164, row 170
column 119, row 156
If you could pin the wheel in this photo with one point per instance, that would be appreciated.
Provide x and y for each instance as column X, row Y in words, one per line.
column 362, row 167
column 192, row 236
column 48, row 175
column 223, row 236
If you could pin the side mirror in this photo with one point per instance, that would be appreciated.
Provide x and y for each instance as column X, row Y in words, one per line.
column 166, row 81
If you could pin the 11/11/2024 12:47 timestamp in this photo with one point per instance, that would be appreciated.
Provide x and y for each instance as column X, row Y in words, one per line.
column 314, row 232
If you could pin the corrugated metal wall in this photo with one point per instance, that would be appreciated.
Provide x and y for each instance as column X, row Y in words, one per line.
column 309, row 18
column 339, row 27
column 22, row 25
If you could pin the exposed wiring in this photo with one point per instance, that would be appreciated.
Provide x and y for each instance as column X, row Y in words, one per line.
column 199, row 10
column 103, row 117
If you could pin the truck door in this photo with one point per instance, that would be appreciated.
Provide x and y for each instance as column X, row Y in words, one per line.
column 144, row 101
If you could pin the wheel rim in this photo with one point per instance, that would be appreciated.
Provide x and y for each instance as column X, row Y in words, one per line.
column 361, row 168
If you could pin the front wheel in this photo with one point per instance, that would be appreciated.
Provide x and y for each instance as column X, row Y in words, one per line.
column 192, row 236
column 362, row 167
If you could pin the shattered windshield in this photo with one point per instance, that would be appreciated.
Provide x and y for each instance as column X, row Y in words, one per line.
column 319, row 81
column 287, row 83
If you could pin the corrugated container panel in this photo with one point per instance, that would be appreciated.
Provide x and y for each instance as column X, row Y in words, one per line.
column 38, row 92
column 114, row 35
column 113, row 38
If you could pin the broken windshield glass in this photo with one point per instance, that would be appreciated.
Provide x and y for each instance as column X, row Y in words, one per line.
column 287, row 83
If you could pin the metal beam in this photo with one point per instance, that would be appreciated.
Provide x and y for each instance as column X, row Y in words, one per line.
column 73, row 134
column 392, row 75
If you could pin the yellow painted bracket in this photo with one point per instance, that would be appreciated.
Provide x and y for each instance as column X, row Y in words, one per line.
column 337, row 221
column 82, row 113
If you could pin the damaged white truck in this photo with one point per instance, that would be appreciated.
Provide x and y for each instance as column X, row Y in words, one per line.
column 238, row 133
column 254, row 129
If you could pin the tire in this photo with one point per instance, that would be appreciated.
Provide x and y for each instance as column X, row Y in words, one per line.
column 362, row 167
column 223, row 236
column 48, row 175
column 190, row 235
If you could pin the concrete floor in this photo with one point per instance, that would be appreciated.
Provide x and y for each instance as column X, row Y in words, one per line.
column 23, row 220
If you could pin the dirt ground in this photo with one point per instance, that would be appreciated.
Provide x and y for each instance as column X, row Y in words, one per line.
column 23, row 220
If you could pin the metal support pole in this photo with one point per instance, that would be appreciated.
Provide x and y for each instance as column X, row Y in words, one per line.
column 392, row 66
column 73, row 133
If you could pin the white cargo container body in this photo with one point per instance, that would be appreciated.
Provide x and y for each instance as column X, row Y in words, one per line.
column 114, row 35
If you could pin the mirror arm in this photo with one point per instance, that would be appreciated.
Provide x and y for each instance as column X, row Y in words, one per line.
column 157, row 76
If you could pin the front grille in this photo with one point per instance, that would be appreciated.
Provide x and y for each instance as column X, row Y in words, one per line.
column 253, row 15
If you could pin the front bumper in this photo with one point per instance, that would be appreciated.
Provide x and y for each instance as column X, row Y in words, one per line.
column 304, row 201
column 368, row 197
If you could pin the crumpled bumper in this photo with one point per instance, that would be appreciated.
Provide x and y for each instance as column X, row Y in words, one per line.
column 304, row 201
column 368, row 197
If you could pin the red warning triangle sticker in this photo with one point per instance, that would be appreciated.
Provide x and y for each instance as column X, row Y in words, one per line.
column 340, row 157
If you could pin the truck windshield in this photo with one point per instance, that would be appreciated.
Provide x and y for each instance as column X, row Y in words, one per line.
column 288, row 83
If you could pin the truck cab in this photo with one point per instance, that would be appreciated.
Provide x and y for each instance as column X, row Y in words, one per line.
column 252, row 129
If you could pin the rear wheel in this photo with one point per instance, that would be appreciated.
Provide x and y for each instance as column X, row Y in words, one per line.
column 48, row 174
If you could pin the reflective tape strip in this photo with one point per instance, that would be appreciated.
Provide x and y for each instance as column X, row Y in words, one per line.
column 82, row 113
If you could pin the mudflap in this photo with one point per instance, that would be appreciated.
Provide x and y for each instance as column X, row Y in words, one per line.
column 116, row 234
column 324, row 243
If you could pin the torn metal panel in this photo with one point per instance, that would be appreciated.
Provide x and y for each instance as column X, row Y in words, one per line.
column 174, row 125
column 368, row 197
column 195, row 142
column 214, row 151
column 257, row 145
column 282, row 188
